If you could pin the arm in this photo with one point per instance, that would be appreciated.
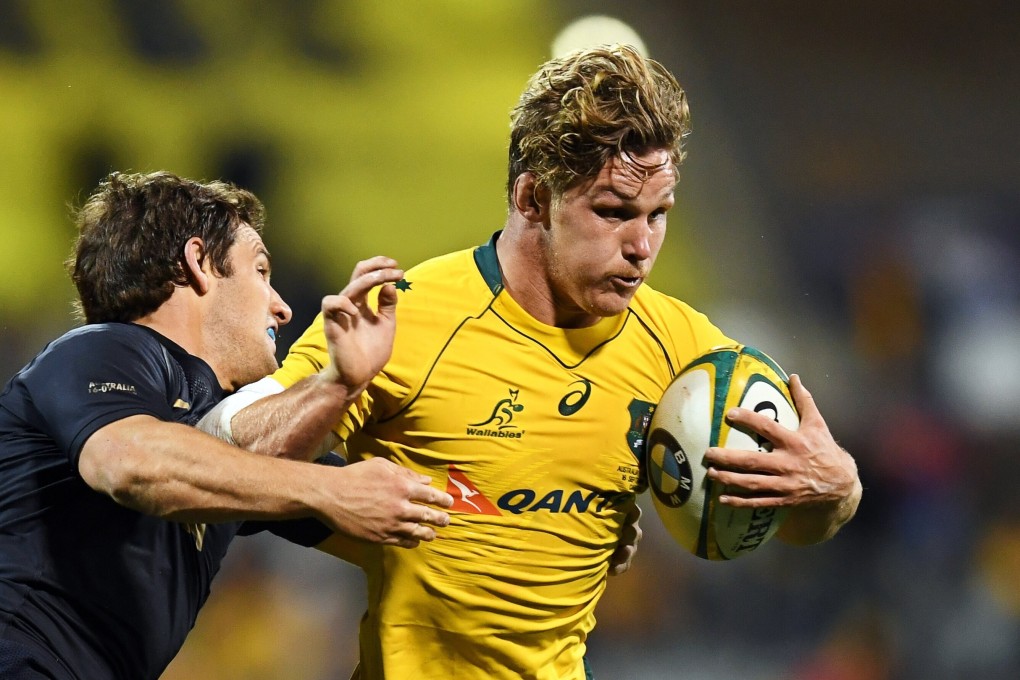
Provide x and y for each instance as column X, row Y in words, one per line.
column 177, row 473
column 292, row 423
column 807, row 472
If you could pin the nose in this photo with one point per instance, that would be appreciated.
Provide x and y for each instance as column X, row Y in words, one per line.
column 636, row 244
column 280, row 310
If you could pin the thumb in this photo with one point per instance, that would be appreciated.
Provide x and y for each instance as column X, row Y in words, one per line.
column 387, row 301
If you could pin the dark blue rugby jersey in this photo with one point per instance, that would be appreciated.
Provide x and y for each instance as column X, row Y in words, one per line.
column 100, row 591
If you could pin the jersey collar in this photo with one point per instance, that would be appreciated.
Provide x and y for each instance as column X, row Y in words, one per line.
column 488, row 264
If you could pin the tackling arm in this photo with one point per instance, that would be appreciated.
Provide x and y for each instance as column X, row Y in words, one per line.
column 177, row 473
column 295, row 423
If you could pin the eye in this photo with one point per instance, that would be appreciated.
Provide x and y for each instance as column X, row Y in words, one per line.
column 611, row 213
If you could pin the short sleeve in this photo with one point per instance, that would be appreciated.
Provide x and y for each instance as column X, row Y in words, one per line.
column 89, row 379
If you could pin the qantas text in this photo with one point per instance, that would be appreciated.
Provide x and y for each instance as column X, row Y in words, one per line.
column 558, row 500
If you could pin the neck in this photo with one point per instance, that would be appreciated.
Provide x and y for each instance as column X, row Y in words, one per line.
column 179, row 319
column 524, row 266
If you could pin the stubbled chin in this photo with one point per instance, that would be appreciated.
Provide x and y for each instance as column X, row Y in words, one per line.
column 610, row 305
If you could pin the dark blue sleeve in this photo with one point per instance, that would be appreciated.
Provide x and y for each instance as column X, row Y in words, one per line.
column 307, row 532
column 93, row 377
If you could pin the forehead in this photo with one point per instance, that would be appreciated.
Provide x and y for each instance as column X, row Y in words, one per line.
column 631, row 175
column 246, row 238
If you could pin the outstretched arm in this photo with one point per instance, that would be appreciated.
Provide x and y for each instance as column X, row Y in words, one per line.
column 807, row 472
column 179, row 473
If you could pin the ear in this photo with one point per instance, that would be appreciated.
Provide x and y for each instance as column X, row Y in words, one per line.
column 530, row 199
column 195, row 263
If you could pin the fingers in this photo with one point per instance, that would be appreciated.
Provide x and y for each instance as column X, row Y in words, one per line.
column 434, row 517
column 735, row 501
column 622, row 559
column 371, row 273
column 766, row 462
column 387, row 300
column 432, row 496
column 803, row 400
column 336, row 306
column 749, row 478
column 760, row 424
column 747, row 484
column 372, row 264
column 416, row 515
column 367, row 274
column 422, row 492
column 411, row 534
column 385, row 503
column 634, row 515
column 359, row 287
column 626, row 549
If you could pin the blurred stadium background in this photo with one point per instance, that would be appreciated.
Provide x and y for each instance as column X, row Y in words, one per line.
column 851, row 204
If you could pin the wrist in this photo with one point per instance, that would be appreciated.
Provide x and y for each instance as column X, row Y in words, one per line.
column 335, row 384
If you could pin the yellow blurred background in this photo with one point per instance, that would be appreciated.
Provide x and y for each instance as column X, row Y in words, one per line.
column 851, row 204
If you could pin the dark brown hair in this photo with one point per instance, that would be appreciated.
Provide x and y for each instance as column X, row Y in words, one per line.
column 129, row 253
column 582, row 109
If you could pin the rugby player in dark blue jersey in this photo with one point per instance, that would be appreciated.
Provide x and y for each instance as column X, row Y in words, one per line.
column 114, row 513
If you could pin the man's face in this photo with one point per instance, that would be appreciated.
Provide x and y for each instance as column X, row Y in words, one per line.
column 246, row 313
column 604, row 236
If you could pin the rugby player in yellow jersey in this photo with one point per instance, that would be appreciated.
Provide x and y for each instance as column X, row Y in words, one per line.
column 522, row 377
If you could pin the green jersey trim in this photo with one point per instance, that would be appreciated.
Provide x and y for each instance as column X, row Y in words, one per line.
column 488, row 264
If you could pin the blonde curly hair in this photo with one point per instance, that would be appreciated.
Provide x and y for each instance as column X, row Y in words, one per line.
column 584, row 108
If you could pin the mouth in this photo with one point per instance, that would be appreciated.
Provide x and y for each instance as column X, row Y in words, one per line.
column 271, row 332
column 627, row 281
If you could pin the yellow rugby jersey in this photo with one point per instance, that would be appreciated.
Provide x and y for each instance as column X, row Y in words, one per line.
column 537, row 432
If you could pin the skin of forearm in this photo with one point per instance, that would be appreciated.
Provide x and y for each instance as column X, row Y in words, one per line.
column 293, row 423
column 178, row 473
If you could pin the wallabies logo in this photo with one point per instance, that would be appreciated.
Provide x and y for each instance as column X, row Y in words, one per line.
column 500, row 421
column 503, row 412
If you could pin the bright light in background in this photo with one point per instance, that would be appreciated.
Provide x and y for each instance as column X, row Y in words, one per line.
column 978, row 368
column 596, row 30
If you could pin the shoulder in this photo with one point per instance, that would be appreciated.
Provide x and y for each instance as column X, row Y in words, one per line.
column 455, row 276
column 105, row 333
column 658, row 307
column 439, row 294
column 94, row 343
column 670, row 318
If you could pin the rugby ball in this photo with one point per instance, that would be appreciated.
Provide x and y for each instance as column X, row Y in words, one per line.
column 687, row 421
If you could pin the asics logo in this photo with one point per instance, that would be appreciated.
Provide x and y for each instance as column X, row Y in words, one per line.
column 574, row 400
